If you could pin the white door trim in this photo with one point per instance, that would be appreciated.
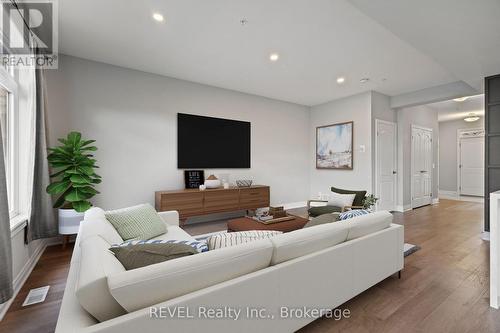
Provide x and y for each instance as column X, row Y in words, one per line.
column 465, row 132
column 413, row 126
column 377, row 124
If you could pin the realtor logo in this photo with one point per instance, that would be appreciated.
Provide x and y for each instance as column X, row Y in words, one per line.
column 29, row 33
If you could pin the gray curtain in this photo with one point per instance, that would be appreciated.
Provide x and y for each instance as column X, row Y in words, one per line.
column 5, row 247
column 42, row 222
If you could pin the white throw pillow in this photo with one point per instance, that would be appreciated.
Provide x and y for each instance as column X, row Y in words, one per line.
column 341, row 200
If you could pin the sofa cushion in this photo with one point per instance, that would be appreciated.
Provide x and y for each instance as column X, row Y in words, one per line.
column 137, row 222
column 92, row 290
column 322, row 219
column 144, row 254
column 146, row 286
column 225, row 239
column 174, row 232
column 95, row 223
column 366, row 224
column 341, row 200
column 304, row 241
column 321, row 210
column 199, row 246
column 353, row 213
column 358, row 199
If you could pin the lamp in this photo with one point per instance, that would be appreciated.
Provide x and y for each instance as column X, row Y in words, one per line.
column 471, row 118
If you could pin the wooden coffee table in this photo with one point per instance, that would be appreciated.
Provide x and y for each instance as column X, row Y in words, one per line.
column 247, row 223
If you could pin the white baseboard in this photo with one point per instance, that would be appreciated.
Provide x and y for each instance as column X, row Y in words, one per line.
column 448, row 194
column 403, row 208
column 293, row 205
column 23, row 275
column 435, row 201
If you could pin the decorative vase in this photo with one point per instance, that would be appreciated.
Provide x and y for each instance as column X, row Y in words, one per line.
column 212, row 182
column 69, row 221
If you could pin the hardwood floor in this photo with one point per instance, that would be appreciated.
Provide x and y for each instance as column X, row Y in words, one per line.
column 52, row 269
column 444, row 286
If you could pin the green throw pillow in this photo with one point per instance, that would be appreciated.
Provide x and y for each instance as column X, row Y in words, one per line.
column 138, row 222
column 322, row 219
column 140, row 255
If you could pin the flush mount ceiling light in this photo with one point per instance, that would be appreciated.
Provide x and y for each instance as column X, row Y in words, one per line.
column 471, row 118
column 158, row 17
column 340, row 80
column 461, row 99
column 364, row 80
column 274, row 56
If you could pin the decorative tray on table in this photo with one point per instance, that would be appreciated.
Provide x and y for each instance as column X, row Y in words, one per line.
column 271, row 219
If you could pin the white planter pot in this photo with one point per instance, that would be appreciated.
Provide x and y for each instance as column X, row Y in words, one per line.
column 213, row 183
column 69, row 221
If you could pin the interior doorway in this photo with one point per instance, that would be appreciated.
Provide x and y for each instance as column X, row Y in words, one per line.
column 385, row 164
column 421, row 166
column 471, row 162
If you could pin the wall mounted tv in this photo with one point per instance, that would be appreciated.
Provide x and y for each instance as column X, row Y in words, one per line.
column 206, row 142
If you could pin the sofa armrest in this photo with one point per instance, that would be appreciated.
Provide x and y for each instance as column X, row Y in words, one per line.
column 351, row 208
column 314, row 200
column 170, row 217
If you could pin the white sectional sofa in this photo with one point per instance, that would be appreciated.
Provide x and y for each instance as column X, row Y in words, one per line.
column 320, row 267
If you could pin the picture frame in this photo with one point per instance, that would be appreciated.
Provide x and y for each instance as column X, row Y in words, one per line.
column 194, row 178
column 334, row 146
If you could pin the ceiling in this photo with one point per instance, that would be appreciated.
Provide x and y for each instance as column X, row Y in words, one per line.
column 453, row 110
column 461, row 35
column 317, row 41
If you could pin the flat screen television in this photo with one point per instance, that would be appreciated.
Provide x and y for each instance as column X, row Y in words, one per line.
column 206, row 142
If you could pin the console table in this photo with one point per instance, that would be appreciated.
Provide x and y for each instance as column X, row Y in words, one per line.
column 193, row 202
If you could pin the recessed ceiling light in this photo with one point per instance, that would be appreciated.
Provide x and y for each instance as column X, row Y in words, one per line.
column 158, row 17
column 461, row 99
column 274, row 57
column 364, row 80
column 471, row 118
column 340, row 80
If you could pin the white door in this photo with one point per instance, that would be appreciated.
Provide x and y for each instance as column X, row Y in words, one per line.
column 385, row 165
column 472, row 166
column 421, row 166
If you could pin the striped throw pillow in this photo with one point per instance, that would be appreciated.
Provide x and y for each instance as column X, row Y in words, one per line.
column 199, row 246
column 138, row 222
column 227, row 239
column 353, row 213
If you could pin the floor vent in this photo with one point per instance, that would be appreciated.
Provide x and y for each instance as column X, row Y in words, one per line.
column 36, row 296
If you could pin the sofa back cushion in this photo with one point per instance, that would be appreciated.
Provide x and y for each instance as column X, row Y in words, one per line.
column 95, row 223
column 92, row 291
column 366, row 224
column 146, row 286
column 304, row 241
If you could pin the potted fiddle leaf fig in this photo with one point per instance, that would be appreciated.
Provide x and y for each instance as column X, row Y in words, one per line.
column 74, row 179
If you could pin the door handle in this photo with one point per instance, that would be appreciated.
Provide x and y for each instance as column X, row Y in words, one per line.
column 394, row 172
column 423, row 171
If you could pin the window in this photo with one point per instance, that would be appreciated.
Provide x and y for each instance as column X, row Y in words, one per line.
column 7, row 124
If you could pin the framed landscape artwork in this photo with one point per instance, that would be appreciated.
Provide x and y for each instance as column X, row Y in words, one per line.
column 334, row 146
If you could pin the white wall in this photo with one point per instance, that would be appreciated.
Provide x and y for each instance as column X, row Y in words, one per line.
column 422, row 116
column 448, row 159
column 132, row 115
column 355, row 108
